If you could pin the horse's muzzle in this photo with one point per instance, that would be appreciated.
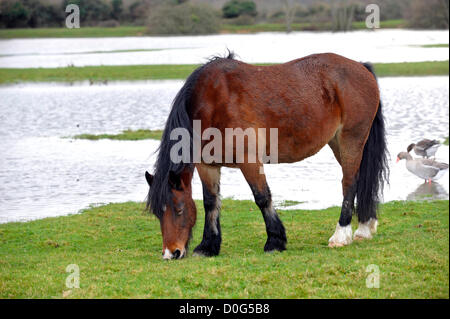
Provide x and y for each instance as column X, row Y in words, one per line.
column 177, row 254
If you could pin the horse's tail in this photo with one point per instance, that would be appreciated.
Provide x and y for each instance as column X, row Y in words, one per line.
column 373, row 170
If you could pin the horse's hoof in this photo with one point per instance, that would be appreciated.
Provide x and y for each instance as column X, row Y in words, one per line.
column 275, row 244
column 269, row 251
column 373, row 224
column 365, row 230
column 203, row 252
column 198, row 254
column 341, row 237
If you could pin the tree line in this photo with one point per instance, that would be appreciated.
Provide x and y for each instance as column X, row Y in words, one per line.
column 197, row 17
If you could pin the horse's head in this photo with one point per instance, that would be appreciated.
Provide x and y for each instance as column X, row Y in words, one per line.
column 178, row 215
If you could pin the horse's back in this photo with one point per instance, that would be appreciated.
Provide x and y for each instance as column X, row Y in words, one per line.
column 308, row 100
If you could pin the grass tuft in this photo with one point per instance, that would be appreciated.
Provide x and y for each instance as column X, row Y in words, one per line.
column 127, row 135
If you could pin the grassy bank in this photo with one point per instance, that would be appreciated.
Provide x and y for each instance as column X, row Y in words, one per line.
column 118, row 251
column 442, row 45
column 280, row 27
column 83, row 32
column 136, row 31
column 160, row 72
column 412, row 69
column 128, row 135
column 96, row 73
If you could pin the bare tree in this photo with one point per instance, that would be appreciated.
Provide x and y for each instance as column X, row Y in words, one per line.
column 430, row 14
column 343, row 12
column 445, row 8
column 289, row 13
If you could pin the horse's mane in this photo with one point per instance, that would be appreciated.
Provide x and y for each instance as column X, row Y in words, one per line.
column 160, row 193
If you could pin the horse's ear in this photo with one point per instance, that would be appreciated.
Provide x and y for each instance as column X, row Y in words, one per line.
column 149, row 178
column 175, row 180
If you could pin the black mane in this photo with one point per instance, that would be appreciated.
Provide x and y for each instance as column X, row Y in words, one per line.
column 160, row 193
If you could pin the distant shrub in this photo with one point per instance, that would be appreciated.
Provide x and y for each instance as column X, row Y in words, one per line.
column 109, row 24
column 29, row 13
column 116, row 9
column 242, row 20
column 137, row 13
column 432, row 14
column 248, row 8
column 236, row 8
column 91, row 11
column 183, row 19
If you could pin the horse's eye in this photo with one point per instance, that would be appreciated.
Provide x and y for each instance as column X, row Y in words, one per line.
column 179, row 211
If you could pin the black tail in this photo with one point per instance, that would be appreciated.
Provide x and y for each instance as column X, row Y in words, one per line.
column 373, row 171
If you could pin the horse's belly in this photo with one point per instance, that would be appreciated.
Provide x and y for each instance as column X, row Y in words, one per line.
column 302, row 141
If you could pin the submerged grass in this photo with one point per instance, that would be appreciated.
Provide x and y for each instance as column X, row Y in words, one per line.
column 161, row 72
column 442, row 45
column 96, row 73
column 118, row 251
column 130, row 135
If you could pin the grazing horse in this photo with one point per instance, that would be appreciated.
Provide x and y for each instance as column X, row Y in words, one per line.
column 313, row 101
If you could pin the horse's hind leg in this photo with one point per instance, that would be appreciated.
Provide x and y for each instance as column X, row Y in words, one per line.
column 212, row 238
column 276, row 234
column 348, row 153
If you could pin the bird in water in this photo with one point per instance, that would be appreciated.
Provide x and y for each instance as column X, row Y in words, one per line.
column 425, row 148
column 425, row 168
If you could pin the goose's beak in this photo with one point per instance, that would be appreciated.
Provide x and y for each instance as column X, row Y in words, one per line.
column 398, row 159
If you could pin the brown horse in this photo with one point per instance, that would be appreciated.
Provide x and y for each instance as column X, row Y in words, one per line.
column 313, row 101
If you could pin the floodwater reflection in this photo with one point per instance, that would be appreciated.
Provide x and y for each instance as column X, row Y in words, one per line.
column 426, row 191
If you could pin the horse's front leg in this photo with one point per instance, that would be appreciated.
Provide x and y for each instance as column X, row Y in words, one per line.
column 212, row 238
column 276, row 234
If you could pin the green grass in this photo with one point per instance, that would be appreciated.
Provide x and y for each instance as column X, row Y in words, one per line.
column 96, row 73
column 280, row 27
column 134, row 31
column 83, row 32
column 118, row 251
column 160, row 72
column 127, row 135
column 446, row 141
column 412, row 68
column 442, row 45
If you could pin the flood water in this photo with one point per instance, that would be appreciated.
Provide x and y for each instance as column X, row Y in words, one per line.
column 375, row 46
column 43, row 172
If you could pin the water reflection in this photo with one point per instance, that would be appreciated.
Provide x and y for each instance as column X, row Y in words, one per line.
column 426, row 191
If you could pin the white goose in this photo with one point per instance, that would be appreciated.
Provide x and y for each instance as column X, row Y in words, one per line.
column 429, row 170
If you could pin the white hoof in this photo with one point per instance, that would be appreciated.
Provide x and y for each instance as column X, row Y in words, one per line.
column 366, row 230
column 341, row 237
